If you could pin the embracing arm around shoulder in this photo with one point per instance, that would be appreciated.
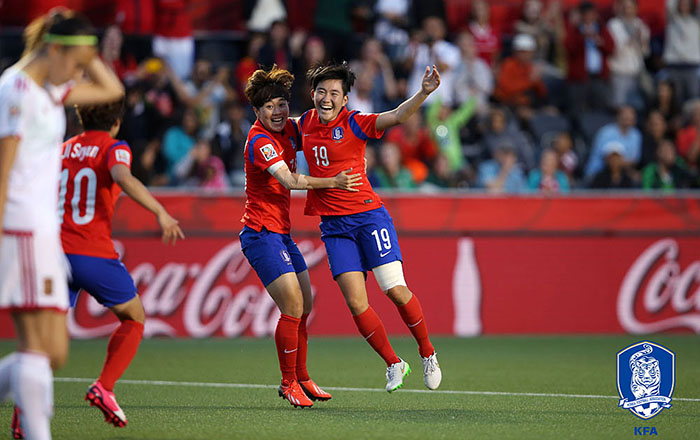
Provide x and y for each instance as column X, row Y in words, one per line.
column 8, row 151
column 104, row 86
column 399, row 115
column 137, row 191
column 290, row 180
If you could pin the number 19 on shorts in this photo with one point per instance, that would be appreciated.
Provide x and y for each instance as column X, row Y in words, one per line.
column 382, row 238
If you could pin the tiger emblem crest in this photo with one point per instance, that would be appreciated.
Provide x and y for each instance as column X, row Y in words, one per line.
column 645, row 378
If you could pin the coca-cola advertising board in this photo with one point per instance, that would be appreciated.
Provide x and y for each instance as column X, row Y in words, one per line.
column 486, row 282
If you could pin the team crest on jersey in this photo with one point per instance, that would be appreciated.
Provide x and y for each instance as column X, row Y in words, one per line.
column 646, row 376
column 285, row 257
column 123, row 156
column 337, row 133
column 268, row 152
column 293, row 142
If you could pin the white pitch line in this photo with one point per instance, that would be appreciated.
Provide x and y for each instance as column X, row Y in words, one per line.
column 364, row 390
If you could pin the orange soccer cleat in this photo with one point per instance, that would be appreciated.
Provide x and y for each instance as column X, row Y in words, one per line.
column 313, row 391
column 292, row 392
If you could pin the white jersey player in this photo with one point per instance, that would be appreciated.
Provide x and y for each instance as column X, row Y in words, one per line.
column 33, row 285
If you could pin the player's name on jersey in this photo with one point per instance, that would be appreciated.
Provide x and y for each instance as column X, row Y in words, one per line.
column 80, row 152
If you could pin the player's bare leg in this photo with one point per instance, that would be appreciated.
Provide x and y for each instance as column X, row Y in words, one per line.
column 121, row 349
column 42, row 345
column 412, row 315
column 313, row 391
column 352, row 284
column 286, row 293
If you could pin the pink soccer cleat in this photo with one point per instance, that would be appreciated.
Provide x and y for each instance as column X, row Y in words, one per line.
column 98, row 396
column 16, row 429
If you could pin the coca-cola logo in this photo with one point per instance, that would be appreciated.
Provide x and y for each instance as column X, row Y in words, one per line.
column 661, row 283
column 191, row 299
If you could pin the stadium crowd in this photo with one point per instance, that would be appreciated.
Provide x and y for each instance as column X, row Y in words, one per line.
column 569, row 98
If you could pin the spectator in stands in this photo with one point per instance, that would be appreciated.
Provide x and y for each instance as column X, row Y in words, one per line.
column 503, row 173
column 614, row 174
column 418, row 149
column 376, row 65
column 488, row 43
column 173, row 40
column 264, row 14
column 371, row 166
column 314, row 53
column 544, row 25
column 159, row 95
column 668, row 172
column 391, row 26
column 548, row 179
column 179, row 140
column 333, row 22
column 276, row 49
column 655, row 131
column 445, row 125
column 631, row 37
column 229, row 140
column 519, row 83
column 501, row 131
column 688, row 140
column 473, row 77
column 440, row 176
column 563, row 145
column 361, row 96
column 391, row 173
column 199, row 168
column 248, row 64
column 433, row 49
column 624, row 132
column 588, row 45
column 205, row 93
column 111, row 54
column 682, row 48
column 667, row 104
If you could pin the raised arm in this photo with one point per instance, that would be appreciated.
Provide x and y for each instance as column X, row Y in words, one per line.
column 291, row 180
column 135, row 189
column 399, row 115
column 103, row 86
column 8, row 150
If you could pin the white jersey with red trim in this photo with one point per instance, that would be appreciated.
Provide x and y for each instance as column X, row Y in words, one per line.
column 35, row 115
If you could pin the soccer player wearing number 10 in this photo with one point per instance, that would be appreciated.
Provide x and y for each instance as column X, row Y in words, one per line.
column 357, row 230
column 96, row 167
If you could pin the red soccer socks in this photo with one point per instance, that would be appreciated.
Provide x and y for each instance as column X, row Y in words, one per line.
column 121, row 349
column 372, row 329
column 286, row 340
column 412, row 315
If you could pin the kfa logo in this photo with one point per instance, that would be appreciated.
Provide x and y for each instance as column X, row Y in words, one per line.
column 337, row 133
column 645, row 430
column 285, row 257
column 646, row 375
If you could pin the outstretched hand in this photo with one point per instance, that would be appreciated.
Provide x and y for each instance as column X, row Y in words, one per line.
column 348, row 182
column 170, row 227
column 431, row 80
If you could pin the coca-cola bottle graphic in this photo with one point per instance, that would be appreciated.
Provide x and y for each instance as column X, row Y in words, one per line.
column 466, row 290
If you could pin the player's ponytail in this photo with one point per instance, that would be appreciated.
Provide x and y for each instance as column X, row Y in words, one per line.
column 60, row 26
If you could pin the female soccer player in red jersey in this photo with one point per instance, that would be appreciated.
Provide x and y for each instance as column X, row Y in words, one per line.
column 96, row 158
column 270, row 165
column 357, row 230
column 33, row 279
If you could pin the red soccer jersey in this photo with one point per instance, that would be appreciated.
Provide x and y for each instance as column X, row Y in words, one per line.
column 87, row 194
column 335, row 147
column 267, row 204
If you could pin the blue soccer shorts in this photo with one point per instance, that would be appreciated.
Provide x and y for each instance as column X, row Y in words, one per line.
column 271, row 254
column 360, row 242
column 105, row 279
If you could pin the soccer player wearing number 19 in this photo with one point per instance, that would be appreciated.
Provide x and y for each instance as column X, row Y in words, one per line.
column 96, row 167
column 357, row 230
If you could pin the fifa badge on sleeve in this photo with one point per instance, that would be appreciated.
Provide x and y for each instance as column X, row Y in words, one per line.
column 646, row 376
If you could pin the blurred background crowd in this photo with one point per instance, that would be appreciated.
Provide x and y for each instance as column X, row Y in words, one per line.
column 542, row 96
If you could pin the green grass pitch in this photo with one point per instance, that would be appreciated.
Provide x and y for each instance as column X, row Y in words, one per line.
column 508, row 366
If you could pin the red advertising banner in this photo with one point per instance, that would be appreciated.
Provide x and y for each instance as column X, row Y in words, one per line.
column 630, row 266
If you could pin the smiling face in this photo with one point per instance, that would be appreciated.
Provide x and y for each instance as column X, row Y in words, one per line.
column 329, row 99
column 273, row 114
